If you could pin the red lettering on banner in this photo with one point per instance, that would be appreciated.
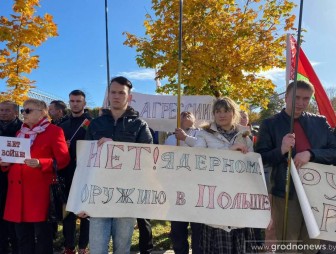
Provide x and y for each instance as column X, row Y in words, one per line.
column 110, row 157
column 95, row 155
column 138, row 155
column 180, row 200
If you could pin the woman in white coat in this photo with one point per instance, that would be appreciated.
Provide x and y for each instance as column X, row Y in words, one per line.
column 225, row 133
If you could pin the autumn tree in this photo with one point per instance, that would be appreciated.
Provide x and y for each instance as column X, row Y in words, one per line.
column 226, row 45
column 21, row 33
column 331, row 92
column 275, row 105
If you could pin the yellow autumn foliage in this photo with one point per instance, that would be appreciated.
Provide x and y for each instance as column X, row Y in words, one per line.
column 226, row 45
column 21, row 32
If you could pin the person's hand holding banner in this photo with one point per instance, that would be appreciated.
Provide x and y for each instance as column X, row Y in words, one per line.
column 3, row 164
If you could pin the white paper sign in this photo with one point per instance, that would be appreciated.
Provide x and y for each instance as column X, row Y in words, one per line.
column 203, row 185
column 159, row 111
column 14, row 150
column 319, row 184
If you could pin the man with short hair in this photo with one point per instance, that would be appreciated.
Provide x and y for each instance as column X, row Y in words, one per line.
column 121, row 123
column 9, row 121
column 74, row 130
column 179, row 229
column 312, row 140
column 58, row 112
column 9, row 125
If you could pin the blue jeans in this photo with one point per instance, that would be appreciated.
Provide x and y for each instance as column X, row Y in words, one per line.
column 101, row 230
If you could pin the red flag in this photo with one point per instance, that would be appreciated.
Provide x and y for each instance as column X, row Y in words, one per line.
column 306, row 71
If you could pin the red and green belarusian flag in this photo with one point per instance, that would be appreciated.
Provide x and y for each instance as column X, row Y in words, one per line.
column 306, row 72
column 85, row 124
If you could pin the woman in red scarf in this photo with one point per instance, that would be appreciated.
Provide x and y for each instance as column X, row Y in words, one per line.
column 28, row 184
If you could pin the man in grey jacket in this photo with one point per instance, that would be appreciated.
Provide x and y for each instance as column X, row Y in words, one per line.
column 312, row 140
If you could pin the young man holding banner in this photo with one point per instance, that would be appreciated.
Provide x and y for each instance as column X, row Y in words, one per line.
column 121, row 123
column 312, row 140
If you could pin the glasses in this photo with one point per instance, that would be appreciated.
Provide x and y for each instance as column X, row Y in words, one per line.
column 28, row 110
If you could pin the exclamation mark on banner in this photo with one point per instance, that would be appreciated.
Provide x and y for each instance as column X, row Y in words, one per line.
column 155, row 156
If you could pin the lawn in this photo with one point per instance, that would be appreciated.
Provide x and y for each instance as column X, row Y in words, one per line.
column 160, row 230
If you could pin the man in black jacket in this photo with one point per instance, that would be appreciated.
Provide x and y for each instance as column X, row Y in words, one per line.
column 74, row 129
column 122, row 124
column 312, row 140
column 9, row 125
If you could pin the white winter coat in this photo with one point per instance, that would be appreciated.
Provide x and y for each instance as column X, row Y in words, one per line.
column 217, row 140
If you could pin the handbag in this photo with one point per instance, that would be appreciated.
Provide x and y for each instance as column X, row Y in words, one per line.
column 57, row 197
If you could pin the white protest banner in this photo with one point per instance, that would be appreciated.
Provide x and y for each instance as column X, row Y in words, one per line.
column 170, row 183
column 307, row 212
column 319, row 183
column 14, row 150
column 159, row 111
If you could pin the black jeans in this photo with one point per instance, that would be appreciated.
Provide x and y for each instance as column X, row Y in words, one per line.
column 179, row 237
column 34, row 237
column 145, row 236
column 7, row 237
column 69, row 232
column 4, row 236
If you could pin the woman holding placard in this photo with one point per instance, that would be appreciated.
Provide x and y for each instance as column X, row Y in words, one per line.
column 225, row 133
column 28, row 184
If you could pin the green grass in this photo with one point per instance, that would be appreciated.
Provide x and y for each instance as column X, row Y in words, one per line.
column 160, row 230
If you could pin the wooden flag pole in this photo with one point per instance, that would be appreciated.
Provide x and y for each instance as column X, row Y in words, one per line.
column 179, row 71
column 285, row 222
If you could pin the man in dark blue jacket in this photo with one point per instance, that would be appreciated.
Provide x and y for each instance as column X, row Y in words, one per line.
column 312, row 140
column 120, row 123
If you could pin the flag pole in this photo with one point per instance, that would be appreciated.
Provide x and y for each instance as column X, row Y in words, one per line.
column 288, row 58
column 284, row 230
column 179, row 71
column 106, row 101
column 107, row 45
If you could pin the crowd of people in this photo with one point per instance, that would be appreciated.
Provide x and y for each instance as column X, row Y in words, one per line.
column 53, row 131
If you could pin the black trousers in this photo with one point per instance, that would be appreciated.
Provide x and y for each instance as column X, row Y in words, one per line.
column 4, row 236
column 145, row 236
column 179, row 237
column 69, row 232
column 7, row 237
column 34, row 237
